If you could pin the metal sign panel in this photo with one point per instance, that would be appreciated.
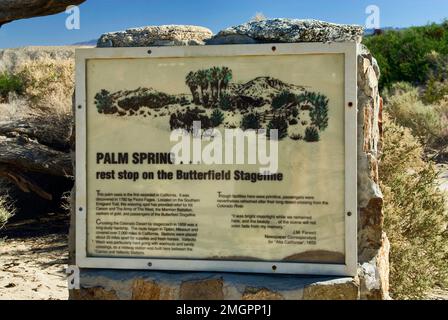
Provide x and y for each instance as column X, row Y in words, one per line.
column 163, row 183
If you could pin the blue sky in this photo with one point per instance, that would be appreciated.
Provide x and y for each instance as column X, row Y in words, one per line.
column 99, row 16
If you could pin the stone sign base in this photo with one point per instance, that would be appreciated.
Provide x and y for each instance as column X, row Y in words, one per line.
column 129, row 285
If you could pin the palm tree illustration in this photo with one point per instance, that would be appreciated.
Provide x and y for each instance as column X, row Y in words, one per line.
column 192, row 82
column 214, row 76
column 203, row 78
column 226, row 77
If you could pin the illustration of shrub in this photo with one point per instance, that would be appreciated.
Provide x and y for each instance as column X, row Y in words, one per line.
column 293, row 122
column 225, row 102
column 104, row 101
column 285, row 99
column 312, row 134
column 153, row 100
column 183, row 101
column 295, row 112
column 186, row 120
column 317, row 104
column 296, row 137
column 319, row 114
column 280, row 124
column 251, row 121
column 217, row 118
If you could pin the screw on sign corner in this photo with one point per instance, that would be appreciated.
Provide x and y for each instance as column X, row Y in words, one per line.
column 350, row 104
column 150, row 51
column 274, row 48
column 274, row 268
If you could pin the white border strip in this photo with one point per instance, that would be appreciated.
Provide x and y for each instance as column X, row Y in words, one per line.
column 350, row 50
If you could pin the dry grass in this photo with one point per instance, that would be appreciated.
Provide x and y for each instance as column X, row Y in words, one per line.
column 49, row 84
column 6, row 210
column 415, row 216
column 428, row 122
column 46, row 100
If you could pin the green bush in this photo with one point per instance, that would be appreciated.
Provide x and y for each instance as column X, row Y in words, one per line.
column 435, row 92
column 415, row 216
column 312, row 134
column 9, row 83
column 404, row 55
column 217, row 118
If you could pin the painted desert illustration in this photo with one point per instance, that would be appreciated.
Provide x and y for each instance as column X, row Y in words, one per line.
column 216, row 101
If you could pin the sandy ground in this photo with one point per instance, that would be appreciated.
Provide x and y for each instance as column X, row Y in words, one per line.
column 33, row 262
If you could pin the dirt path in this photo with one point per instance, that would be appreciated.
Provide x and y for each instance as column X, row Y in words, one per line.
column 33, row 262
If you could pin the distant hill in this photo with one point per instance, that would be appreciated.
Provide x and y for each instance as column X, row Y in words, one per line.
column 370, row 32
column 87, row 43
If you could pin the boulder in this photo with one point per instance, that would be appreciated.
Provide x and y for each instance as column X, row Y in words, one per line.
column 171, row 35
column 19, row 9
column 288, row 30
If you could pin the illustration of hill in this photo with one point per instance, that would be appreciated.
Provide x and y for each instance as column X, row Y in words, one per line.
column 261, row 103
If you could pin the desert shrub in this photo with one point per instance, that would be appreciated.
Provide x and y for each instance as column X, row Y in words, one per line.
column 251, row 121
column 312, row 134
column 6, row 211
column 48, row 84
column 9, row 83
column 435, row 91
column 415, row 216
column 284, row 99
column 281, row 125
column 216, row 118
column 438, row 65
column 405, row 107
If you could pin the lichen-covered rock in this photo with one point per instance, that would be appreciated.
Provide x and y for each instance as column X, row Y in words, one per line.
column 95, row 293
column 151, row 290
column 209, row 289
column 288, row 30
column 169, row 35
column 19, row 9
column 261, row 294
column 340, row 289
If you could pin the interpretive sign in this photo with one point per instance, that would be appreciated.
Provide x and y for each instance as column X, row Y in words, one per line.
column 238, row 158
